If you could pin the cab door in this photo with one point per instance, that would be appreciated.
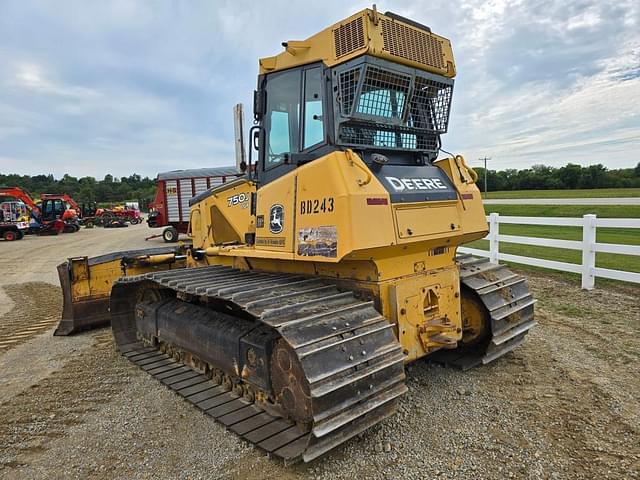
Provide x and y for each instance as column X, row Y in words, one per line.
column 52, row 209
column 293, row 132
column 293, row 122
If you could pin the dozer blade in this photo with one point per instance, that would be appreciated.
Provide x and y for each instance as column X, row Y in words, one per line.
column 86, row 283
column 83, row 314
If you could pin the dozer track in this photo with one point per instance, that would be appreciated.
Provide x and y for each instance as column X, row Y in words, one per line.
column 509, row 304
column 350, row 366
column 352, row 369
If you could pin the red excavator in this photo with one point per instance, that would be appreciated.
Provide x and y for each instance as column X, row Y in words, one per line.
column 71, row 208
column 47, row 217
column 62, row 205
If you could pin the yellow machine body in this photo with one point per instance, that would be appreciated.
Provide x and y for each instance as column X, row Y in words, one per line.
column 339, row 220
column 403, row 253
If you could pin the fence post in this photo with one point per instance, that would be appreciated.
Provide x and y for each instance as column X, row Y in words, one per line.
column 494, row 231
column 588, row 251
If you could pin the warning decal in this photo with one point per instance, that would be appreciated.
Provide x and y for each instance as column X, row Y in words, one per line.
column 318, row 242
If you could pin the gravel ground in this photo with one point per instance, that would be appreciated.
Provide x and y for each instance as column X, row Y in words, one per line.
column 564, row 405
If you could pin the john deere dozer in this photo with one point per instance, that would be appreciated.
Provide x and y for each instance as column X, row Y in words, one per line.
column 314, row 279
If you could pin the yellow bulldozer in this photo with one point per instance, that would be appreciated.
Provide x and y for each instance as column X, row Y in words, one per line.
column 310, row 282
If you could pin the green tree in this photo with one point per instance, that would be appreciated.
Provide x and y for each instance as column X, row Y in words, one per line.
column 86, row 194
column 569, row 175
column 593, row 176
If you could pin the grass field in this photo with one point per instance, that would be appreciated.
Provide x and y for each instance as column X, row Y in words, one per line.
column 603, row 235
column 605, row 211
column 591, row 193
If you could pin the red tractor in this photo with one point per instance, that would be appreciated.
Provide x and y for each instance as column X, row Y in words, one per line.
column 122, row 214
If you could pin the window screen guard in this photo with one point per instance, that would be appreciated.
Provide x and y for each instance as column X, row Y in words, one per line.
column 390, row 106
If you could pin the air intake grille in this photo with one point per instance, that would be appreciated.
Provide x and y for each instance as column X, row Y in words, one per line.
column 349, row 37
column 406, row 42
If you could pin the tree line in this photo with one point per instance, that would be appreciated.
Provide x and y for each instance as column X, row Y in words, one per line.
column 571, row 176
column 134, row 187
column 86, row 189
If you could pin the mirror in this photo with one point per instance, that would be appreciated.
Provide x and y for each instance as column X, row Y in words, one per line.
column 259, row 101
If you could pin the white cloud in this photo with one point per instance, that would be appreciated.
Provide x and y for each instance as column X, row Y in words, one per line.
column 30, row 76
column 587, row 19
column 93, row 88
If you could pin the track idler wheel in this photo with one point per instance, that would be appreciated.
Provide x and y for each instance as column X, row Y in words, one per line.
column 476, row 321
column 290, row 386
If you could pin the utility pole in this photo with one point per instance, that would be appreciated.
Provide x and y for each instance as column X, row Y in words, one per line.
column 485, row 159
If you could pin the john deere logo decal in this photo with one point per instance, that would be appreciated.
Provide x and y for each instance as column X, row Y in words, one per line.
column 276, row 218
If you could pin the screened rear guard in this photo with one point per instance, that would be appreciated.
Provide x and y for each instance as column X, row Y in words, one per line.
column 388, row 106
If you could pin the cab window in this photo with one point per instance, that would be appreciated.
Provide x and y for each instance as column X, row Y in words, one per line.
column 48, row 208
column 282, row 124
column 313, row 121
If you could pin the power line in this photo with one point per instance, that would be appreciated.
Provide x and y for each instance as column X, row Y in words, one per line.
column 485, row 159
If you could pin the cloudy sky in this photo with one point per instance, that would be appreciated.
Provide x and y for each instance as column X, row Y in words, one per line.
column 90, row 88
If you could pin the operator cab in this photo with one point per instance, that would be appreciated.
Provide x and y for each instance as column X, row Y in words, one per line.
column 387, row 112
column 89, row 209
column 53, row 208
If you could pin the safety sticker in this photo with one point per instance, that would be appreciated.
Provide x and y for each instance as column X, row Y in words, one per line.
column 318, row 241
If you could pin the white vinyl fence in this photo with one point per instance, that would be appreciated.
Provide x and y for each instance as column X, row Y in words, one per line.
column 588, row 245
